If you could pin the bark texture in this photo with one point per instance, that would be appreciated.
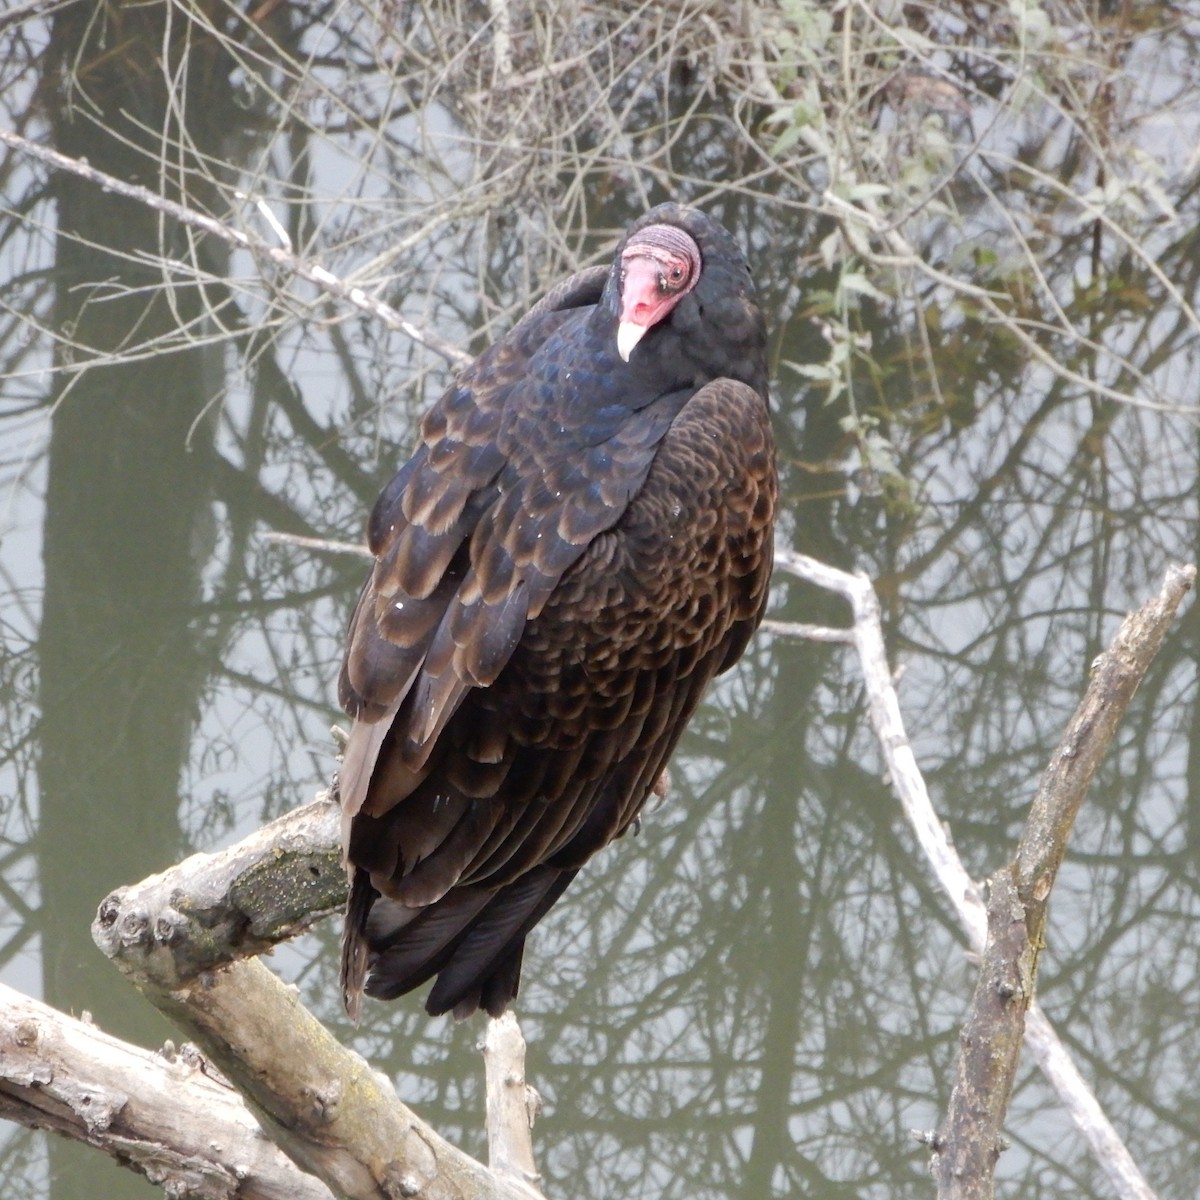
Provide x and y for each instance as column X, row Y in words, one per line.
column 160, row 1114
column 187, row 938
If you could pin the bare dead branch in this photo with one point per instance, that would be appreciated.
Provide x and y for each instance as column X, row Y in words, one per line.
column 312, row 272
column 322, row 1104
column 1116, row 676
column 1077, row 1098
column 512, row 1105
column 970, row 1140
column 809, row 633
column 905, row 775
column 884, row 707
column 212, row 909
column 159, row 1113
column 176, row 937
column 968, row 1146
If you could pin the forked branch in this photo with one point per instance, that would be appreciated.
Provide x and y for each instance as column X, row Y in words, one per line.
column 187, row 939
column 1009, row 933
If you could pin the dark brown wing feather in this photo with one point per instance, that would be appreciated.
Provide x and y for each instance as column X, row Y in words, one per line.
column 419, row 531
column 541, row 622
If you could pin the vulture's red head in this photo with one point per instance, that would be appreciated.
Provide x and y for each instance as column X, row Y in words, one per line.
column 659, row 266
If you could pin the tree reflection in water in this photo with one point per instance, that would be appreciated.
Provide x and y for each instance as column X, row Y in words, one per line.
column 984, row 397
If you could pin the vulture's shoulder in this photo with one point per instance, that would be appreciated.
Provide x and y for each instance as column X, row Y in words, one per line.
column 459, row 434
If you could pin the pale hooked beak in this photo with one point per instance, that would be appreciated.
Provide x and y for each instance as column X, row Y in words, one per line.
column 628, row 336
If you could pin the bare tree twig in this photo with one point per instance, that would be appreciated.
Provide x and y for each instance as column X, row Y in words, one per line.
column 1057, row 1065
column 963, row 892
column 810, row 633
column 323, row 545
column 901, row 763
column 159, row 1113
column 32, row 8
column 312, row 272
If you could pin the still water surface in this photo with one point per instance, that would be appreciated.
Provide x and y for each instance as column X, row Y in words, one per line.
column 761, row 993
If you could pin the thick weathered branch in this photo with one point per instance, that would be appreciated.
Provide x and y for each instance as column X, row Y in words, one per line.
column 322, row 1104
column 964, row 893
column 967, row 1147
column 159, row 1114
column 212, row 909
column 177, row 935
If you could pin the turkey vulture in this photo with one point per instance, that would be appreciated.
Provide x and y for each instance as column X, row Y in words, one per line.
column 581, row 541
